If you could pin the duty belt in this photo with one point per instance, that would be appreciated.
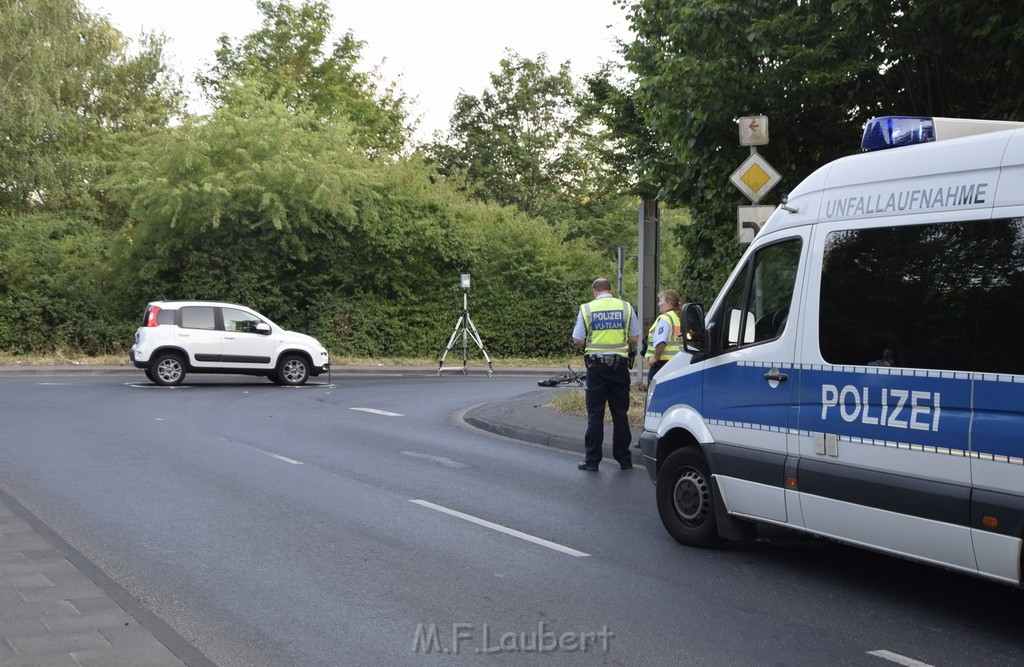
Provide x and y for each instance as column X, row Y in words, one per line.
column 612, row 360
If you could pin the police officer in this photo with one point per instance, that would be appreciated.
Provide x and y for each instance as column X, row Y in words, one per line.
column 607, row 327
column 663, row 338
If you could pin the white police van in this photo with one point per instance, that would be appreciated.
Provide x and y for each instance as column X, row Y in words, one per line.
column 861, row 375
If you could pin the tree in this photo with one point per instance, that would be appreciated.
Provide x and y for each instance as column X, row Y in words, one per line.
column 67, row 86
column 514, row 142
column 818, row 70
column 266, row 206
column 525, row 142
column 285, row 60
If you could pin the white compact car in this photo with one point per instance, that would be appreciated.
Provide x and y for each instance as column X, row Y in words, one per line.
column 180, row 337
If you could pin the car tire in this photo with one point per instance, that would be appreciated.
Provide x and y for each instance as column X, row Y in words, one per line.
column 686, row 501
column 292, row 370
column 168, row 370
column 149, row 374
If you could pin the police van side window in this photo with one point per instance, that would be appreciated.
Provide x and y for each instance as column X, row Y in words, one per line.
column 943, row 296
column 1001, row 307
column 758, row 301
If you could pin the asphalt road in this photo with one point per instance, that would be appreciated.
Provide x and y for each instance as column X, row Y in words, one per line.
column 363, row 523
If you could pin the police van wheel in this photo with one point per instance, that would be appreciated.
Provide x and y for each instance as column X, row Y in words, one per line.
column 685, row 499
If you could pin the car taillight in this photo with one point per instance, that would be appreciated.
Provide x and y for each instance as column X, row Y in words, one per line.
column 151, row 316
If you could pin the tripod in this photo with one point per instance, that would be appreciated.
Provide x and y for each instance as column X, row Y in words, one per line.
column 465, row 324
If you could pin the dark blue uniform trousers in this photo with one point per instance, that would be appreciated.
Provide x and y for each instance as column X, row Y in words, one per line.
column 606, row 385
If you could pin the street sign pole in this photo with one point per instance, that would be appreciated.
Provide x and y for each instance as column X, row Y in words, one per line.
column 754, row 178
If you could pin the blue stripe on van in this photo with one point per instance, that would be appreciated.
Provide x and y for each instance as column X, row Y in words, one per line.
column 876, row 405
column 887, row 404
column 998, row 429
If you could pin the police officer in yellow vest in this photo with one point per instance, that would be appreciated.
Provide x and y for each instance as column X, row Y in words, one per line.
column 608, row 327
column 663, row 338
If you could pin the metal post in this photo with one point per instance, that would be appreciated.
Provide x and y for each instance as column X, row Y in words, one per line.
column 648, row 262
column 622, row 266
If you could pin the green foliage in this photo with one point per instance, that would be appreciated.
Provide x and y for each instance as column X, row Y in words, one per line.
column 527, row 142
column 67, row 86
column 515, row 142
column 52, row 288
column 817, row 70
column 263, row 205
column 285, row 60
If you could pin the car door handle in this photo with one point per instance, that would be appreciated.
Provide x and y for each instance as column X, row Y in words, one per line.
column 775, row 375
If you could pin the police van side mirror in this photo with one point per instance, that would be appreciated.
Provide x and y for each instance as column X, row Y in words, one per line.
column 694, row 332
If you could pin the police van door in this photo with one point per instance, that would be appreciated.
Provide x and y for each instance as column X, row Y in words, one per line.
column 886, row 389
column 749, row 380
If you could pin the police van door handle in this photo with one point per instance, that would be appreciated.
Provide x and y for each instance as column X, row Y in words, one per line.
column 776, row 375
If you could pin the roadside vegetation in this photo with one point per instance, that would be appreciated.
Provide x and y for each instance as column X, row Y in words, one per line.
column 573, row 402
column 302, row 195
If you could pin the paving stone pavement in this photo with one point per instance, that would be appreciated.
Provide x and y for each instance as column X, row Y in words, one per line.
column 57, row 608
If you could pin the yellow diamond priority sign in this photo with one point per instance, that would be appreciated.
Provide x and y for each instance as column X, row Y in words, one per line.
column 755, row 177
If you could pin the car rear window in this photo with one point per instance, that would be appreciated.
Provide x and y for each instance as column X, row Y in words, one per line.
column 163, row 316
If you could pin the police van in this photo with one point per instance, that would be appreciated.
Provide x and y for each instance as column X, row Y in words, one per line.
column 861, row 375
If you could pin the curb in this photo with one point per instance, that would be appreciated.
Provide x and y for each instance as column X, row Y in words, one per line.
column 525, row 434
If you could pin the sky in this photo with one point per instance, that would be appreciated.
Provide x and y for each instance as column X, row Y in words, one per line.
column 433, row 49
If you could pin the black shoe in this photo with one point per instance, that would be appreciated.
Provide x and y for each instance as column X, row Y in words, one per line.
column 626, row 466
column 589, row 467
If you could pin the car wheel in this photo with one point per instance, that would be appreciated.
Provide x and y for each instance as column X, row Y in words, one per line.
column 149, row 374
column 293, row 370
column 686, row 499
column 168, row 370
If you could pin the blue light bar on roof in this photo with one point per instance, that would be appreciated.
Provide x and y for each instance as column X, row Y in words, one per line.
column 893, row 131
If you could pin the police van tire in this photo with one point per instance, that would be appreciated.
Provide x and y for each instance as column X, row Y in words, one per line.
column 686, row 501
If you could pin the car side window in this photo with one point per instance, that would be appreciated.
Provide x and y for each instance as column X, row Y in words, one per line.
column 239, row 321
column 758, row 302
column 198, row 317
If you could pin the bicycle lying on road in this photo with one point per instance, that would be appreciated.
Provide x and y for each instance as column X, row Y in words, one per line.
column 578, row 378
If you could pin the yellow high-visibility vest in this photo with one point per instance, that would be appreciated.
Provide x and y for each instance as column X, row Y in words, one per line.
column 672, row 343
column 607, row 321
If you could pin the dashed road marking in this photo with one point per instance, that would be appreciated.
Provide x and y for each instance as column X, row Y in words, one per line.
column 446, row 462
column 503, row 529
column 898, row 659
column 280, row 458
column 374, row 411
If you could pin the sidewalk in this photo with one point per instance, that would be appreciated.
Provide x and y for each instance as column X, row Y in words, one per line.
column 57, row 608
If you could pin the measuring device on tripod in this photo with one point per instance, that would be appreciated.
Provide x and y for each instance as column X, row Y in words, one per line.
column 464, row 326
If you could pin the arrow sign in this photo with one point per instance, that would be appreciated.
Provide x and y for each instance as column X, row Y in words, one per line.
column 753, row 130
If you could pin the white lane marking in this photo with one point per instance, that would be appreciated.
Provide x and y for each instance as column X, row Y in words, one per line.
column 280, row 458
column 55, row 384
column 136, row 385
column 898, row 659
column 372, row 411
column 447, row 463
column 502, row 529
